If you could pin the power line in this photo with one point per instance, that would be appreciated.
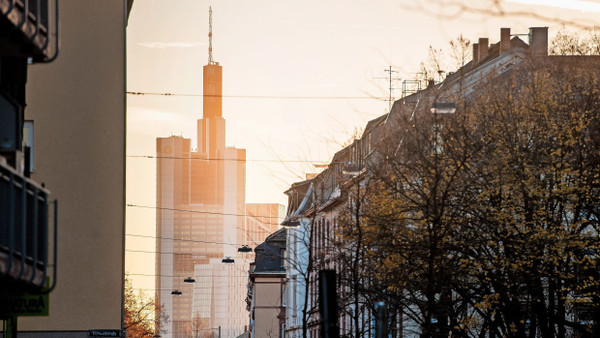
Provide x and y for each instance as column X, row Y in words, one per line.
column 246, row 231
column 160, row 275
column 266, row 253
column 178, row 239
column 198, row 211
column 252, row 240
column 317, row 163
column 262, row 96
column 174, row 253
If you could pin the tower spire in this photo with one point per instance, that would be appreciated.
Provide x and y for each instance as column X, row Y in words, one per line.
column 210, row 57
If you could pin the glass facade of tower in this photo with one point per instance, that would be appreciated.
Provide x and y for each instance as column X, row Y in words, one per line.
column 201, row 219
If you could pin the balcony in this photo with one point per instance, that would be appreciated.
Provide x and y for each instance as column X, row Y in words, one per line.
column 24, row 220
column 31, row 29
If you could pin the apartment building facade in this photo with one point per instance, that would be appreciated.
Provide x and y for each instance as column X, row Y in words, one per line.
column 267, row 295
column 318, row 205
column 71, row 101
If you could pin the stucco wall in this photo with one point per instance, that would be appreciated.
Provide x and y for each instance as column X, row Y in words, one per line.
column 78, row 106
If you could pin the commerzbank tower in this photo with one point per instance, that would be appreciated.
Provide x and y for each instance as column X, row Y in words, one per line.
column 202, row 221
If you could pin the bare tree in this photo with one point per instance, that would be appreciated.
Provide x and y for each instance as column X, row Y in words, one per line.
column 485, row 219
column 434, row 68
column 571, row 43
column 593, row 40
column 568, row 43
column 199, row 328
column 460, row 51
column 143, row 317
column 454, row 9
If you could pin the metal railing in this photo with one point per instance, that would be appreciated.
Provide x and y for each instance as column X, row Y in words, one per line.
column 33, row 19
column 24, row 228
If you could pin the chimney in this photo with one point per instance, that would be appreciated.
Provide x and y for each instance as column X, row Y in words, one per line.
column 504, row 39
column 483, row 48
column 538, row 41
column 475, row 53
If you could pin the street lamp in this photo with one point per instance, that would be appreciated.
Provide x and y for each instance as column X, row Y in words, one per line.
column 176, row 292
column 290, row 223
column 436, row 109
column 227, row 260
column 443, row 108
column 244, row 249
column 189, row 280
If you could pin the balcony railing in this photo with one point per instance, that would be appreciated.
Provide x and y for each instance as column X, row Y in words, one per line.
column 37, row 22
column 24, row 222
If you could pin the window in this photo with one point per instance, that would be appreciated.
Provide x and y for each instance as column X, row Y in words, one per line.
column 294, row 295
column 28, row 145
column 284, row 294
column 438, row 142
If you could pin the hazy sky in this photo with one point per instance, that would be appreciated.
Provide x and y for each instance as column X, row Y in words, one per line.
column 298, row 79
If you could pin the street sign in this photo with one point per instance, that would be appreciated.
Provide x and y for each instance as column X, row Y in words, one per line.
column 24, row 304
column 104, row 333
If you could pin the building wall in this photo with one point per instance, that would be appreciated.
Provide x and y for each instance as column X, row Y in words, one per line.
column 267, row 306
column 173, row 193
column 199, row 220
column 298, row 246
column 77, row 103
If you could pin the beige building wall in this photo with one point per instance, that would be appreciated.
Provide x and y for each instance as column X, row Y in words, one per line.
column 267, row 305
column 77, row 104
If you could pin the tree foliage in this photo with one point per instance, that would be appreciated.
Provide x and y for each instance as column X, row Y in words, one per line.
column 570, row 43
column 199, row 328
column 485, row 223
column 440, row 63
column 143, row 317
column 531, row 224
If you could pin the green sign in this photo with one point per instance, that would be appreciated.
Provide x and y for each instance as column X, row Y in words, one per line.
column 24, row 304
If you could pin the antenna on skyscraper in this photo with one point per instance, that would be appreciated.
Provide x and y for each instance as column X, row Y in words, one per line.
column 210, row 58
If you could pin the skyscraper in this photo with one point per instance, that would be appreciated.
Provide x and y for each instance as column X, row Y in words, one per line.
column 201, row 219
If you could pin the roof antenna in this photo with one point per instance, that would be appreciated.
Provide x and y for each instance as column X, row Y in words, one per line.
column 210, row 58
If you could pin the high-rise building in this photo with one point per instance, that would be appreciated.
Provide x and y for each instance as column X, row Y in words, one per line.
column 262, row 219
column 201, row 220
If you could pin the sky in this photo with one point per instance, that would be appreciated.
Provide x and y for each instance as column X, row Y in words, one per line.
column 299, row 80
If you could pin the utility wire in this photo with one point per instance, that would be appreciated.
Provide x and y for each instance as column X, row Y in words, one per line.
column 244, row 231
column 167, row 289
column 262, row 96
column 254, row 242
column 198, row 211
column 318, row 163
column 174, row 276
column 174, row 253
column 178, row 239
column 191, row 253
